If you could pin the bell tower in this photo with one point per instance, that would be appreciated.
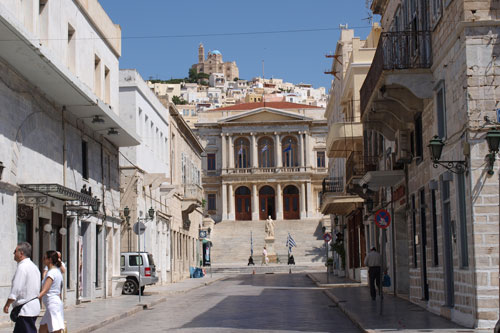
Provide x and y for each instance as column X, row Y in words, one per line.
column 201, row 54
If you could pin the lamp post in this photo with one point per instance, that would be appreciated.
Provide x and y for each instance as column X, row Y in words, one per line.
column 139, row 229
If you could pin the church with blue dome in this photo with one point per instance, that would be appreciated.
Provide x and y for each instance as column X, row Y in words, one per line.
column 213, row 63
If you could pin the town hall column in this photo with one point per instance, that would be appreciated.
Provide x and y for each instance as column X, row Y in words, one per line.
column 231, row 152
column 279, row 202
column 255, row 203
column 277, row 138
column 301, row 149
column 308, row 150
column 302, row 200
column 223, row 152
column 230, row 215
column 255, row 156
column 309, row 199
column 224, row 202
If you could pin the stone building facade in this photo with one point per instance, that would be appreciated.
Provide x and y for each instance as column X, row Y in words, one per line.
column 343, row 198
column 213, row 63
column 60, row 132
column 263, row 159
column 434, row 74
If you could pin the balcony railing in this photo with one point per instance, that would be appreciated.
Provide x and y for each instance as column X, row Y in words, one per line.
column 333, row 185
column 396, row 51
column 357, row 165
column 261, row 170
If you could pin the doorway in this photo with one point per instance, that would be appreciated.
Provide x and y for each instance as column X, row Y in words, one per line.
column 243, row 203
column 291, row 203
column 266, row 203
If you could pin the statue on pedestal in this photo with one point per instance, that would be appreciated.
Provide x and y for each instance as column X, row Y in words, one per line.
column 269, row 228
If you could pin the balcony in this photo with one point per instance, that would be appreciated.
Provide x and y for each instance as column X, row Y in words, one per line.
column 192, row 198
column 398, row 80
column 333, row 185
column 269, row 170
column 343, row 138
column 357, row 165
column 334, row 200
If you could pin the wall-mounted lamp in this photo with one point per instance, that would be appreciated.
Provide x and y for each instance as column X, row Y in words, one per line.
column 97, row 120
column 151, row 213
column 63, row 231
column 336, row 220
column 113, row 131
column 1, row 169
column 95, row 207
column 126, row 213
column 369, row 205
column 436, row 148
column 493, row 140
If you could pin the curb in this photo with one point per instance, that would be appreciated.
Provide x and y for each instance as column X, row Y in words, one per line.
column 334, row 285
column 352, row 316
column 140, row 307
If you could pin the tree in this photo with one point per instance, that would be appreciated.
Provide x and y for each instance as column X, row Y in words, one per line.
column 178, row 100
column 236, row 79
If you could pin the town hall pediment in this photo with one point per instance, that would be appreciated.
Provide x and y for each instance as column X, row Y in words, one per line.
column 264, row 115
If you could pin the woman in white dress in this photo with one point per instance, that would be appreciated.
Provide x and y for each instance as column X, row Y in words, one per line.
column 53, row 319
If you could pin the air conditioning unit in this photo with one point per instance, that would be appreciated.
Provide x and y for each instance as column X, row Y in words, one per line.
column 403, row 146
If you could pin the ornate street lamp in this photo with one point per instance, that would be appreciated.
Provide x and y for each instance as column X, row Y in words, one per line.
column 1, row 169
column 95, row 207
column 493, row 140
column 151, row 213
column 436, row 148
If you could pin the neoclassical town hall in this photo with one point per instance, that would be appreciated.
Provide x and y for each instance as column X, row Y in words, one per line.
column 263, row 160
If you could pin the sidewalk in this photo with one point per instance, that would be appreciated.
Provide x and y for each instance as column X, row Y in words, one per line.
column 354, row 300
column 87, row 317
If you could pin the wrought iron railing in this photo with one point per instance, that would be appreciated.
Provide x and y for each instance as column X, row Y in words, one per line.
column 333, row 185
column 357, row 165
column 395, row 51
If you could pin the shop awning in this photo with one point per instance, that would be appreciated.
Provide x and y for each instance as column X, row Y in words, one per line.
column 340, row 204
column 60, row 192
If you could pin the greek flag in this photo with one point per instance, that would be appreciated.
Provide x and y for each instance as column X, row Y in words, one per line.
column 240, row 152
column 290, row 243
column 251, row 244
column 265, row 148
column 289, row 148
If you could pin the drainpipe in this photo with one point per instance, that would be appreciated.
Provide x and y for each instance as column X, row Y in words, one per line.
column 105, row 275
column 65, row 224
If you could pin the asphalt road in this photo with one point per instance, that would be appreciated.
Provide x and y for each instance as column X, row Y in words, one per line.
column 244, row 303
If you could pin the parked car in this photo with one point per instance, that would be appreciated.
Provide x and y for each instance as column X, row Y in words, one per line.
column 129, row 266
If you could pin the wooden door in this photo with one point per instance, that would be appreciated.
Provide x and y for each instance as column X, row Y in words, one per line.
column 243, row 207
column 291, row 206
column 266, row 206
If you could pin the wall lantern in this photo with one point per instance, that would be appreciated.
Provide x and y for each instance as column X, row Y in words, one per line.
column 436, row 148
column 95, row 207
column 369, row 204
column 151, row 213
column 1, row 169
column 336, row 220
column 493, row 140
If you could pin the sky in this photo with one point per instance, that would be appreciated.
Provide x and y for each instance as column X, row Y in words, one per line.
column 160, row 38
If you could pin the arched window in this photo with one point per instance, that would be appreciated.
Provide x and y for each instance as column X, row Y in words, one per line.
column 243, row 190
column 266, row 152
column 242, row 153
column 289, row 146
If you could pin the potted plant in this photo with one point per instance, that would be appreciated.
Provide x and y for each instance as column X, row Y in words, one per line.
column 338, row 247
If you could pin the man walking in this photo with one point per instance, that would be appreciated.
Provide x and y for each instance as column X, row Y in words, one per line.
column 373, row 261
column 25, row 290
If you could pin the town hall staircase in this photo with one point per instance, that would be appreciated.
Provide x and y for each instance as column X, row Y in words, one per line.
column 231, row 242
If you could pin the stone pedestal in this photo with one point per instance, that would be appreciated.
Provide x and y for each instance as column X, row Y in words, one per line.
column 271, row 254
